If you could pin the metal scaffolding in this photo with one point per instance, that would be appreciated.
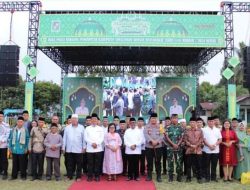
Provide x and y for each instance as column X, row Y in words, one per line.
column 33, row 7
column 227, row 9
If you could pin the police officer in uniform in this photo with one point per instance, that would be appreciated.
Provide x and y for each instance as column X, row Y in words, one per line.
column 174, row 135
column 153, row 138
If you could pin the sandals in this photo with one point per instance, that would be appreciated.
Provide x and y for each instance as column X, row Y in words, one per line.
column 241, row 158
column 109, row 178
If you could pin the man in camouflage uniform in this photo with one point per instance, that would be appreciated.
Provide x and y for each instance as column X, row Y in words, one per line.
column 174, row 136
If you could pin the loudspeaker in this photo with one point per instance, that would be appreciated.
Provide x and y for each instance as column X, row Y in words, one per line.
column 9, row 65
column 246, row 67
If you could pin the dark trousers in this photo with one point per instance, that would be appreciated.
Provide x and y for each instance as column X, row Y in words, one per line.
column 94, row 162
column 29, row 162
column 193, row 161
column 136, row 111
column 164, row 159
column 84, row 163
column 203, row 166
column 108, row 112
column 74, row 159
column 133, row 165
column 18, row 162
column 66, row 161
column 37, row 164
column 53, row 163
column 4, row 160
column 154, row 155
column 101, row 165
column 211, row 161
column 142, row 161
column 125, row 161
column 184, row 160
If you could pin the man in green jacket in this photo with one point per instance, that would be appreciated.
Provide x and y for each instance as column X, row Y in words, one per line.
column 18, row 146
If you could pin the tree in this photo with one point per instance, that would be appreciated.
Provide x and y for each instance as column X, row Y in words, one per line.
column 12, row 97
column 207, row 92
column 46, row 96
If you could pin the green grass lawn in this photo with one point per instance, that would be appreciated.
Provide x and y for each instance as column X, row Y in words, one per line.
column 165, row 185
column 62, row 185
column 39, row 185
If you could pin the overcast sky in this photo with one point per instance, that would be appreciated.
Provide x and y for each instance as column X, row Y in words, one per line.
column 49, row 71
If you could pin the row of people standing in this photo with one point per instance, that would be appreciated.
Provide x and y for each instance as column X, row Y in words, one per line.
column 97, row 149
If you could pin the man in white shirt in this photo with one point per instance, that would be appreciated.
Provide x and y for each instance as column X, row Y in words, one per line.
column 119, row 105
column 105, row 123
column 130, row 101
column 133, row 140
column 140, row 125
column 74, row 146
column 4, row 135
column 94, row 136
column 212, row 140
column 176, row 109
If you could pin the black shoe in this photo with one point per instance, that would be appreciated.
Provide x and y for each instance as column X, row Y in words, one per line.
column 48, row 178
column 58, row 179
column 129, row 179
column 207, row 181
column 179, row 178
column 170, row 179
column 40, row 178
column 33, row 179
column 89, row 179
column 4, row 177
column 159, row 179
column 97, row 178
column 199, row 181
column 214, row 180
column 188, row 180
column 13, row 178
column 149, row 178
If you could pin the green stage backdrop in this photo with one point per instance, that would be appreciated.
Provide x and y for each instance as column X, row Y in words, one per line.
column 181, row 91
column 82, row 96
column 155, row 30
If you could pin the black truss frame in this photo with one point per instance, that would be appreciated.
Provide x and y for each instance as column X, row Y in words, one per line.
column 33, row 7
column 227, row 9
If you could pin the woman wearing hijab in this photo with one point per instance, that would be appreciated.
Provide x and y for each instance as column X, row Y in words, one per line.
column 244, row 139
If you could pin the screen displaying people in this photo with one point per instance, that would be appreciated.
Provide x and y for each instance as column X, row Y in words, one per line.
column 134, row 96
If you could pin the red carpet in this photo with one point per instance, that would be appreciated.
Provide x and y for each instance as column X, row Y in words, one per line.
column 120, row 184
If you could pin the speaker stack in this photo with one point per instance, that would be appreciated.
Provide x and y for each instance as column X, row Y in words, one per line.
column 9, row 65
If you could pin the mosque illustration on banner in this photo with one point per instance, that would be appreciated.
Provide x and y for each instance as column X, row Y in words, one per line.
column 90, row 27
column 171, row 28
